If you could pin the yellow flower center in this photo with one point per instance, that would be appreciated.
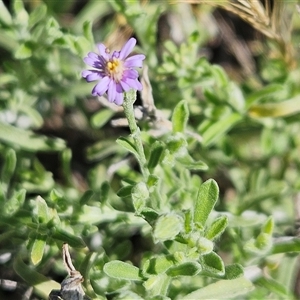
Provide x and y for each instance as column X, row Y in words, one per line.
column 115, row 69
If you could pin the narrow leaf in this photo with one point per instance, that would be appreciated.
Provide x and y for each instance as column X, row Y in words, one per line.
column 27, row 140
column 42, row 285
column 155, row 154
column 14, row 203
column 223, row 289
column 9, row 166
column 5, row 17
column 69, row 238
column 139, row 196
column 206, row 199
column 37, row 250
column 160, row 264
column 185, row 269
column 100, row 118
column 121, row 270
column 42, row 210
column 276, row 109
column 217, row 228
column 128, row 145
column 180, row 117
column 37, row 15
column 215, row 129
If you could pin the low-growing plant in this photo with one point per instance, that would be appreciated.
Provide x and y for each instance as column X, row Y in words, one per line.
column 176, row 182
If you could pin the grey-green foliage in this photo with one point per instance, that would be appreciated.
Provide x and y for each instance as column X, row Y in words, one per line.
column 171, row 232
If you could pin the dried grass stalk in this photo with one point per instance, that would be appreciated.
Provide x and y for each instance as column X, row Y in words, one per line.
column 268, row 17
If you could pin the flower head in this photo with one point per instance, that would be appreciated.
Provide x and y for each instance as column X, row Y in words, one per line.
column 115, row 71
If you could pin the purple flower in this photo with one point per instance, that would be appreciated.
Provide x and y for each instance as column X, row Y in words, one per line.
column 115, row 72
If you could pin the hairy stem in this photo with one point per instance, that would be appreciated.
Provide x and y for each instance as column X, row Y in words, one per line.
column 130, row 98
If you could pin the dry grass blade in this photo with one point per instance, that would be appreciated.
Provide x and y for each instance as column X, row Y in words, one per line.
column 269, row 18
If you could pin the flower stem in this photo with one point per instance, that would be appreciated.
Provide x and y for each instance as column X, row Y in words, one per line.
column 130, row 98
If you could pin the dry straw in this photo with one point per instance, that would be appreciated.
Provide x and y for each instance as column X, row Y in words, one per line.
column 271, row 18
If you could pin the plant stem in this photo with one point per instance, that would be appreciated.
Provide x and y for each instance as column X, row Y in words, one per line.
column 130, row 98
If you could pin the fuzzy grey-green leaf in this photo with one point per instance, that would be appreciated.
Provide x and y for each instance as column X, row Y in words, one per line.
column 121, row 270
column 205, row 201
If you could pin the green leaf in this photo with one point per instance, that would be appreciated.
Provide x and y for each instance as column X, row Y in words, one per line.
column 152, row 181
column 177, row 145
column 88, row 32
column 167, row 227
column 100, row 118
column 140, row 194
column 204, row 246
column 233, row 271
column 155, row 154
column 188, row 221
column 104, row 191
column 42, row 210
column 276, row 109
column 14, row 203
column 37, row 15
column 215, row 129
column 223, row 289
column 267, row 91
column 27, row 140
column 38, row 248
column 213, row 263
column 125, row 191
column 268, row 226
column 185, row 269
column 263, row 241
column 217, row 228
column 21, row 15
column 149, row 214
column 180, row 117
column 121, row 270
column 41, row 284
column 23, row 51
column 275, row 287
column 5, row 17
column 236, row 97
column 86, row 197
column 159, row 264
column 206, row 199
column 190, row 164
column 128, row 145
column 67, row 237
column 157, row 285
column 282, row 245
column 9, row 166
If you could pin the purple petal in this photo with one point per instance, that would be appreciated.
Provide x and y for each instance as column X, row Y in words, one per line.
column 102, row 51
column 111, row 92
column 85, row 73
column 91, row 75
column 93, row 55
column 119, row 88
column 125, row 86
column 135, row 61
column 101, row 87
column 134, row 83
column 127, row 48
column 90, row 61
column 130, row 74
column 119, row 98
